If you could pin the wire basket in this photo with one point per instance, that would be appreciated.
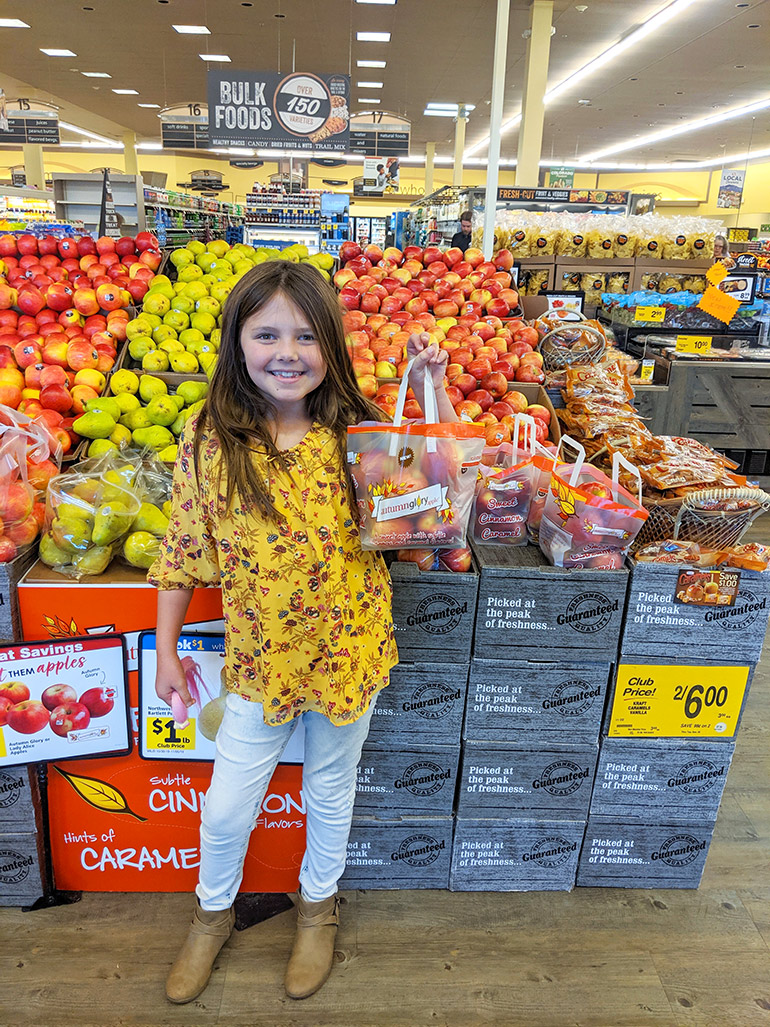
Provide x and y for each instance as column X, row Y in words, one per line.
column 686, row 519
column 558, row 348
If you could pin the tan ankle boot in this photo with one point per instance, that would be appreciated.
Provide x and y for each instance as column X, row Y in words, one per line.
column 190, row 973
column 313, row 952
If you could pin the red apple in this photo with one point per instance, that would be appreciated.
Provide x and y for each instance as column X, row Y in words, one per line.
column 5, row 705
column 27, row 717
column 479, row 367
column 14, row 691
column 530, row 373
column 540, row 412
column 496, row 383
column 483, row 397
column 99, row 701
column 506, row 368
column 58, row 695
column 468, row 411
column 70, row 716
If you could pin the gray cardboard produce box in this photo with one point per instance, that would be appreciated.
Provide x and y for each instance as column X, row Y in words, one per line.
column 18, row 795
column 399, row 852
column 657, row 623
column 433, row 612
column 416, row 779
column 515, row 855
column 423, row 701
column 675, row 780
column 621, row 853
column 519, row 700
column 525, row 604
column 552, row 781
column 10, row 575
column 21, row 874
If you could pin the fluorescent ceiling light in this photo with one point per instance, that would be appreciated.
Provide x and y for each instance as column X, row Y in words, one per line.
column 110, row 143
column 154, row 106
column 13, row 23
column 221, row 57
column 439, row 114
column 688, row 126
column 58, row 53
column 191, row 30
column 389, row 2
column 371, row 64
column 669, row 11
column 126, row 92
column 148, row 146
column 369, row 85
column 675, row 165
column 373, row 37
column 95, row 74
column 368, row 99
column 453, row 107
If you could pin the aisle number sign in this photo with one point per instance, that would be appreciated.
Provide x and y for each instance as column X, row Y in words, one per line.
column 700, row 344
column 677, row 701
column 652, row 315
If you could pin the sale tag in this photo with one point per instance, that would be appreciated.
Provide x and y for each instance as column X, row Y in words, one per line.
column 677, row 701
column 693, row 344
column 647, row 371
column 719, row 304
column 655, row 315
column 716, row 273
column 165, row 733
column 707, row 588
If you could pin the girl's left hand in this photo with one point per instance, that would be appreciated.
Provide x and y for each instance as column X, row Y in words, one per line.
column 428, row 358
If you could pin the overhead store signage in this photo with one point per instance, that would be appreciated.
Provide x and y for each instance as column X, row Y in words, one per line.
column 185, row 127
column 561, row 178
column 516, row 193
column 65, row 699
column 108, row 216
column 731, row 188
column 300, row 111
column 30, row 121
column 676, row 701
column 380, row 134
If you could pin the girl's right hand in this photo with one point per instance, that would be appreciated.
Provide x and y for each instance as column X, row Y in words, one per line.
column 170, row 677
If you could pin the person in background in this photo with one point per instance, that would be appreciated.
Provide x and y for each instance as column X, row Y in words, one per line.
column 390, row 238
column 721, row 248
column 462, row 239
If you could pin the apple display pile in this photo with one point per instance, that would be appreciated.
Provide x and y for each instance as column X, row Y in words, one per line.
column 59, row 708
column 62, row 317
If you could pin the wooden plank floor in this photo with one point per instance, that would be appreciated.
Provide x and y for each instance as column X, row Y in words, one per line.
column 591, row 958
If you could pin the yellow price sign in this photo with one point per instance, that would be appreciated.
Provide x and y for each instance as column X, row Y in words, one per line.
column 693, row 343
column 647, row 370
column 165, row 733
column 654, row 315
column 677, row 701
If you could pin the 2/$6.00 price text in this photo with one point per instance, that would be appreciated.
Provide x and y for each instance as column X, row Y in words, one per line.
column 696, row 697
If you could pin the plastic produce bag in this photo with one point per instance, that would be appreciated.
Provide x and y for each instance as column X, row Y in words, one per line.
column 414, row 482
column 504, row 490
column 19, row 523
column 590, row 520
column 544, row 461
column 456, row 560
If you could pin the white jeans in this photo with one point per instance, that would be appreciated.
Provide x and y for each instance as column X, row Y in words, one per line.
column 248, row 751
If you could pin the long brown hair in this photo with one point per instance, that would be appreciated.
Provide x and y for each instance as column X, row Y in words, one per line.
column 240, row 415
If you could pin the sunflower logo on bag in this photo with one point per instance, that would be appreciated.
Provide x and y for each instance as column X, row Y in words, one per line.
column 565, row 499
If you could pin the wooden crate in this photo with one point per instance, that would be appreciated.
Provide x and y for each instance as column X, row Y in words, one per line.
column 657, row 624
column 21, row 868
column 621, row 853
column 515, row 854
column 673, row 267
column 433, row 612
column 676, row 781
column 398, row 852
column 523, row 700
column 423, row 701
column 19, row 800
column 10, row 575
column 524, row 603
column 416, row 780
column 528, row 780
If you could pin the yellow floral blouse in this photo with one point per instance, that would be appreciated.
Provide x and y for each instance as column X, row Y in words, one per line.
column 307, row 612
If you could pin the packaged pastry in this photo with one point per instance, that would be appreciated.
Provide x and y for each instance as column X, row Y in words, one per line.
column 519, row 242
column 700, row 244
column 536, row 282
column 751, row 557
column 674, row 551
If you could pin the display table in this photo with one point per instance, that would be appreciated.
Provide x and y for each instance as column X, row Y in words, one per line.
column 129, row 824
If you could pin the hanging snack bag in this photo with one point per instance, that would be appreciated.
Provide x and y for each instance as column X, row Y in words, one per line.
column 590, row 520
column 414, row 482
column 504, row 490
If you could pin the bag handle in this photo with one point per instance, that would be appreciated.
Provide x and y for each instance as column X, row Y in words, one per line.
column 580, row 456
column 617, row 460
column 508, row 457
column 430, row 411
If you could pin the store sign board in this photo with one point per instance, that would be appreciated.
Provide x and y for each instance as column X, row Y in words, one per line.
column 731, row 188
column 561, row 178
column 160, row 737
column 741, row 287
column 185, row 127
column 700, row 344
column 677, row 701
column 565, row 300
column 650, row 315
column 69, row 699
column 30, row 121
column 590, row 196
column 300, row 111
column 108, row 216
column 381, row 175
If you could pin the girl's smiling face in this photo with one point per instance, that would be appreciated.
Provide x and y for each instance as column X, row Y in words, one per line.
column 283, row 355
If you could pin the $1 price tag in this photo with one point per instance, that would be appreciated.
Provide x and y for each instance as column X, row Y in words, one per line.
column 677, row 701
column 653, row 315
column 165, row 733
column 693, row 344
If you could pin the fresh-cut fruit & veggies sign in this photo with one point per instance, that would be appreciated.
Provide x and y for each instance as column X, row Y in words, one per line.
column 63, row 699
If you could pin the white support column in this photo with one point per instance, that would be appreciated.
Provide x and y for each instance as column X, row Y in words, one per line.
column 535, row 83
column 34, row 168
column 430, row 156
column 457, row 171
column 495, row 121
column 130, row 163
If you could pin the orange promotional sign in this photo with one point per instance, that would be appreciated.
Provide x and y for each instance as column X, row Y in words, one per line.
column 128, row 824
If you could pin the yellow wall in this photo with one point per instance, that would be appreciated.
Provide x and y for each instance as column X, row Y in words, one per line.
column 686, row 185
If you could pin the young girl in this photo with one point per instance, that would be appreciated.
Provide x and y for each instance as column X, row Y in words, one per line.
column 263, row 506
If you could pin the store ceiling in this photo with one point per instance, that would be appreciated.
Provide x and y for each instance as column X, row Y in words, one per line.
column 705, row 59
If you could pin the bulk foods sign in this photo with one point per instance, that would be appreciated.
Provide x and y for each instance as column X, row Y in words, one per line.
column 265, row 109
